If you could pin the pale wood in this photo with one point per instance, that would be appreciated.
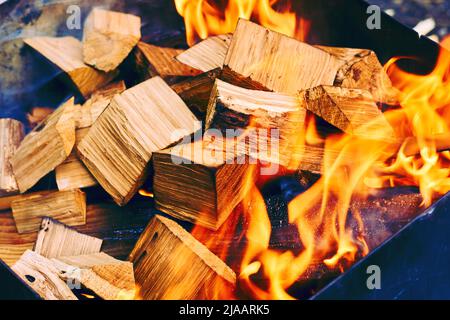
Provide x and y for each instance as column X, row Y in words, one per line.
column 67, row 54
column 200, row 182
column 47, row 146
column 108, row 38
column 11, row 135
column 208, row 54
column 232, row 107
column 37, row 115
column 144, row 119
column 109, row 278
column 41, row 275
column 361, row 69
column 262, row 59
column 57, row 240
column 352, row 110
column 66, row 206
column 170, row 263
column 5, row 202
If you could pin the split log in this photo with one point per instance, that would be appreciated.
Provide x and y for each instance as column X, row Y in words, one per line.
column 67, row 54
column 200, row 182
column 144, row 119
column 58, row 240
column 361, row 69
column 5, row 202
column 108, row 38
column 232, row 107
column 11, row 134
column 353, row 111
column 265, row 60
column 151, row 61
column 37, row 115
column 208, row 54
column 41, row 275
column 46, row 147
column 170, row 263
column 67, row 206
column 109, row 278
column 196, row 91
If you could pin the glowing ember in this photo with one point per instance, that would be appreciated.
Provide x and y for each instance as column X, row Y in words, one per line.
column 145, row 193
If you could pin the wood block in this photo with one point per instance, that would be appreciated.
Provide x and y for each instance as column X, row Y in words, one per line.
column 208, row 54
column 108, row 38
column 144, row 119
column 66, row 53
column 46, row 147
column 109, row 278
column 41, row 275
column 58, row 240
column 66, row 206
column 194, row 182
column 170, row 263
column 11, row 135
column 262, row 59
column 232, row 107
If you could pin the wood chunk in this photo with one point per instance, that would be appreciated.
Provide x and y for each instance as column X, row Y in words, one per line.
column 41, row 275
column 232, row 107
column 144, row 119
column 170, row 263
column 262, row 59
column 67, row 54
column 196, row 91
column 208, row 54
column 11, row 134
column 361, row 69
column 352, row 110
column 5, row 202
column 37, row 115
column 46, row 147
column 57, row 240
column 109, row 278
column 200, row 182
column 151, row 61
column 108, row 38
column 66, row 206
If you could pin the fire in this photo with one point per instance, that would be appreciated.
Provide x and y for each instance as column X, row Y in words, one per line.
column 205, row 17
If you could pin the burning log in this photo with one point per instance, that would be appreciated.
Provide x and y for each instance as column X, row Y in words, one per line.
column 11, row 134
column 58, row 240
column 41, row 275
column 108, row 38
column 352, row 110
column 109, row 278
column 208, row 54
column 46, row 147
column 170, row 263
column 66, row 206
column 137, row 123
column 66, row 53
column 219, row 184
column 265, row 60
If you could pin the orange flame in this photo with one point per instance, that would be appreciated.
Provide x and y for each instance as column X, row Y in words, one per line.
column 205, row 17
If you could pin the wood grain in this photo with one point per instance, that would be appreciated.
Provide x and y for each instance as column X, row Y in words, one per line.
column 11, row 135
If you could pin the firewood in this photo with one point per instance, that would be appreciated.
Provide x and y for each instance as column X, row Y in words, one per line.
column 57, row 240
column 208, row 54
column 151, row 61
column 37, row 115
column 109, row 278
column 11, row 134
column 262, row 59
column 170, row 263
column 5, row 202
column 195, row 91
column 67, row 206
column 47, row 146
column 66, row 53
column 200, row 182
column 232, row 107
column 361, row 69
column 41, row 275
column 108, row 38
column 140, row 121
column 352, row 110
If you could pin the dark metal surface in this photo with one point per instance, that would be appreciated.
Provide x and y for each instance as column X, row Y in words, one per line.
column 12, row 287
